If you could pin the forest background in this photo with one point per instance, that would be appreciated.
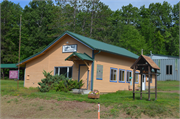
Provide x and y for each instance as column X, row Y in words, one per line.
column 153, row 29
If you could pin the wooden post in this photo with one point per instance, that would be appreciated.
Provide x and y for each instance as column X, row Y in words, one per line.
column 149, row 83
column 156, row 84
column 134, row 82
column 141, row 85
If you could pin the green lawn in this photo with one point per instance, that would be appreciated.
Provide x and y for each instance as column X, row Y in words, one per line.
column 167, row 104
column 167, row 85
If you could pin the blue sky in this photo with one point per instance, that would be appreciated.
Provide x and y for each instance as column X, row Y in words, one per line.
column 113, row 4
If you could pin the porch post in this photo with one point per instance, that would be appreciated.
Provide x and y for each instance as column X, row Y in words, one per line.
column 134, row 82
column 149, row 83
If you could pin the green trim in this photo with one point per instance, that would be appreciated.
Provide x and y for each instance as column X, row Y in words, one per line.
column 81, row 56
column 9, row 66
column 92, row 71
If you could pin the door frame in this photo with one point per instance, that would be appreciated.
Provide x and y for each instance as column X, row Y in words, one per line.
column 87, row 74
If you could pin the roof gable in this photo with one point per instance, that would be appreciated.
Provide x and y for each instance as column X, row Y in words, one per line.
column 91, row 43
column 143, row 59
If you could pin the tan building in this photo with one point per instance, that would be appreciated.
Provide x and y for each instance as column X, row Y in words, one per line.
column 100, row 65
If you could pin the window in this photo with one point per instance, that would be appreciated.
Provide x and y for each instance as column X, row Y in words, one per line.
column 168, row 69
column 122, row 75
column 129, row 74
column 137, row 78
column 113, row 75
column 99, row 73
column 67, row 71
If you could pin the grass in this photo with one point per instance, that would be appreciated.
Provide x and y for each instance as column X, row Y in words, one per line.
column 167, row 104
column 168, row 85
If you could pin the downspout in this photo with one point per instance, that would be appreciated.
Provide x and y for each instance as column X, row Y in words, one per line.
column 92, row 68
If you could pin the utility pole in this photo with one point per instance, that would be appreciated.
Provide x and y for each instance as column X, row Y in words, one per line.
column 19, row 53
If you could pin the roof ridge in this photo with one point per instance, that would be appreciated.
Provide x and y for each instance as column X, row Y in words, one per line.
column 97, row 40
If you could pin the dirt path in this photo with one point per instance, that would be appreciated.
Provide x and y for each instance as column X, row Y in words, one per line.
column 19, row 107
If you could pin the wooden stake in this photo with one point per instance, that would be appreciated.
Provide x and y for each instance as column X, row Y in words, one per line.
column 98, row 111
column 19, row 53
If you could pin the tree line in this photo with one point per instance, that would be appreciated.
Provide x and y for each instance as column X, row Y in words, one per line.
column 152, row 29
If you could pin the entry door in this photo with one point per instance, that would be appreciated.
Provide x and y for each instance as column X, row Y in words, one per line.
column 84, row 76
column 144, row 82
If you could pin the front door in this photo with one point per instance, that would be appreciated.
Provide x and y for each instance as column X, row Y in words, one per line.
column 83, row 76
column 144, row 82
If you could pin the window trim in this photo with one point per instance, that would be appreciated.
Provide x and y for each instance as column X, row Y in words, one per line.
column 138, row 77
column 124, row 76
column 67, row 70
column 169, row 70
column 110, row 75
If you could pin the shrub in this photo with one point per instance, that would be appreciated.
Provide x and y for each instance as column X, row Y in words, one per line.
column 67, row 85
column 58, row 83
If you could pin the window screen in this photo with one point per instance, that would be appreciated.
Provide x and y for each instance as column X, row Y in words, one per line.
column 121, row 75
column 113, row 74
column 99, row 73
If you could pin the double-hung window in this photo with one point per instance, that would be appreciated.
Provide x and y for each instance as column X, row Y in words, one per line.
column 113, row 74
column 129, row 74
column 168, row 69
column 67, row 71
column 121, row 75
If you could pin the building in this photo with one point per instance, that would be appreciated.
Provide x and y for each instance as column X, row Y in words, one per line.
column 100, row 65
column 169, row 66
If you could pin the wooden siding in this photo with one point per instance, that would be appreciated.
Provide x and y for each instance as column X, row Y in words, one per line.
column 112, row 61
column 53, row 58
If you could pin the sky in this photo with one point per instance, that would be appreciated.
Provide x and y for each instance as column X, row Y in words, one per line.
column 113, row 4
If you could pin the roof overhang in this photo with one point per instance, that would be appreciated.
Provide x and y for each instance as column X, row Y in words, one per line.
column 78, row 56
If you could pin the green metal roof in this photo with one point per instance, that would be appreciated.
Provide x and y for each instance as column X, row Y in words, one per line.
column 81, row 56
column 8, row 66
column 94, row 44
column 98, row 45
